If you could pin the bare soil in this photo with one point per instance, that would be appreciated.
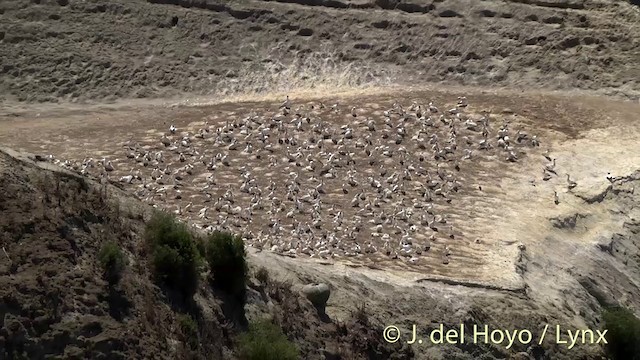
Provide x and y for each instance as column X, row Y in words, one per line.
column 104, row 79
column 55, row 303
column 536, row 262
column 59, row 50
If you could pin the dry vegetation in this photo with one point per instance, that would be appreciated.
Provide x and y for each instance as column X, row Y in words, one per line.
column 319, row 71
column 59, row 230
column 184, row 47
column 589, row 217
column 86, row 270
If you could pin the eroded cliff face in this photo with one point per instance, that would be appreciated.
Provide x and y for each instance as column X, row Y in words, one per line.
column 544, row 261
column 70, row 50
column 55, row 301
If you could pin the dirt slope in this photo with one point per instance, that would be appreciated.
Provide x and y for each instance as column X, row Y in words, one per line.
column 54, row 302
column 106, row 49
column 569, row 259
column 541, row 262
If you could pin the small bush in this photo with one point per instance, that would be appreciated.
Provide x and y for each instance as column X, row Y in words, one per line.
column 266, row 341
column 360, row 314
column 189, row 329
column 112, row 261
column 226, row 258
column 176, row 259
column 262, row 275
column 623, row 336
column 201, row 246
column 279, row 290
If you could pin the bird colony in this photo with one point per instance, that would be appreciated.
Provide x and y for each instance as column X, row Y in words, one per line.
column 322, row 181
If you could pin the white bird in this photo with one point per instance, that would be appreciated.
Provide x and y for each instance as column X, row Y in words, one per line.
column 172, row 129
column 355, row 202
column 290, row 214
column 570, row 183
column 127, row 179
column 551, row 166
column 203, row 213
column 286, row 103
column 535, row 141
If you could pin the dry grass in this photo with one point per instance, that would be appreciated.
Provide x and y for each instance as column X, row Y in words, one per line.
column 277, row 73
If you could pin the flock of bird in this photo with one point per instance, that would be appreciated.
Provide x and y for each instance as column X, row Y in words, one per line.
column 322, row 181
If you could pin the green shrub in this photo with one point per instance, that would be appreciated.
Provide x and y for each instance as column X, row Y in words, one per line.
column 623, row 336
column 189, row 329
column 200, row 246
column 112, row 261
column 265, row 341
column 226, row 258
column 176, row 259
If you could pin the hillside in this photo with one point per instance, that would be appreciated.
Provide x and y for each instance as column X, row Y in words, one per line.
column 522, row 263
column 57, row 304
column 66, row 50
column 179, row 179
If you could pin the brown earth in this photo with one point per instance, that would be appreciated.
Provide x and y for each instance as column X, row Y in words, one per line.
column 56, row 305
column 463, row 210
column 68, row 50
column 519, row 260
column 564, row 258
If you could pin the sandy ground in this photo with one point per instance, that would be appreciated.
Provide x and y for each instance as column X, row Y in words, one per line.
column 524, row 263
column 75, row 86
column 55, row 50
column 480, row 254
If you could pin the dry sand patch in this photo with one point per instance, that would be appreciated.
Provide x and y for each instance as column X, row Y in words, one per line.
column 479, row 238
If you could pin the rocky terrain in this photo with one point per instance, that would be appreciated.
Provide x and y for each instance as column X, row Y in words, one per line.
column 551, row 264
column 69, row 50
column 55, row 303
column 537, row 237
